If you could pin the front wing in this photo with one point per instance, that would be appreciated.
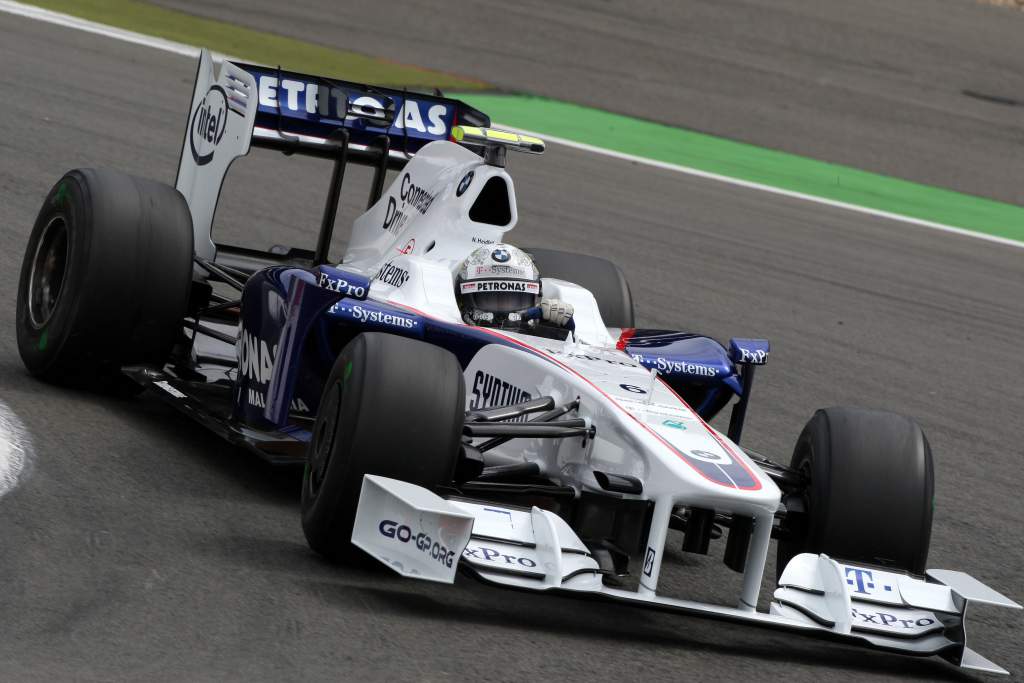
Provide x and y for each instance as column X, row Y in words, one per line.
column 422, row 535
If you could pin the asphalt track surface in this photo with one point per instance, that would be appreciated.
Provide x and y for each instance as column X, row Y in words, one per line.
column 927, row 90
column 140, row 547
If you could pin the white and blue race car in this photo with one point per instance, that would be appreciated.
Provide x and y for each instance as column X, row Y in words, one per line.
column 540, row 457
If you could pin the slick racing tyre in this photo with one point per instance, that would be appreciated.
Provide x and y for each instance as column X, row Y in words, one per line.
column 603, row 278
column 392, row 407
column 870, row 493
column 106, row 278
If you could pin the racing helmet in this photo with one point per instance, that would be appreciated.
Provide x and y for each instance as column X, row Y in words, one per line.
column 496, row 284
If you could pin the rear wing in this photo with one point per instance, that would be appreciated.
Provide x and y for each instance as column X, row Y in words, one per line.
column 238, row 105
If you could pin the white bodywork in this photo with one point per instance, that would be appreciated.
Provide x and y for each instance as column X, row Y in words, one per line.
column 631, row 405
column 644, row 430
column 411, row 243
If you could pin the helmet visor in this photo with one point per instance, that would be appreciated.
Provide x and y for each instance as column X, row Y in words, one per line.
column 501, row 302
column 500, row 296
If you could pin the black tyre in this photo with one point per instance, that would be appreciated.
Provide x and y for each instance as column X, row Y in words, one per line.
column 870, row 492
column 392, row 407
column 105, row 279
column 602, row 277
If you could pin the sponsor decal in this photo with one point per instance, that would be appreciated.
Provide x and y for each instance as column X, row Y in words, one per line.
column 361, row 314
column 256, row 361
column 209, row 121
column 497, row 557
column 412, row 196
column 342, row 286
column 510, row 270
column 674, row 424
column 500, row 286
column 633, row 389
column 255, row 358
column 311, row 98
column 491, row 392
column 257, row 399
column 610, row 360
column 649, row 561
column 749, row 351
column 426, row 545
column 464, row 184
column 501, row 255
column 862, row 581
column 390, row 274
column 491, row 269
column 394, row 218
column 412, row 117
column 708, row 456
column 169, row 389
column 864, row 616
column 415, row 196
column 755, row 357
column 667, row 366
column 409, row 247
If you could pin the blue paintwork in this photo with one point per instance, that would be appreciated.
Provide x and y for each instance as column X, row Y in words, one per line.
column 285, row 314
column 678, row 353
column 749, row 351
column 311, row 323
column 348, row 284
column 695, row 366
column 432, row 119
column 690, row 358
column 371, row 316
column 724, row 471
column 306, row 303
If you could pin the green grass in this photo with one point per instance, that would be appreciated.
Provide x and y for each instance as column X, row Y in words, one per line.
column 573, row 122
column 257, row 46
column 754, row 164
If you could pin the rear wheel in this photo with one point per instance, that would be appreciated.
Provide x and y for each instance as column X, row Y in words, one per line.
column 105, row 279
column 870, row 493
column 392, row 407
column 603, row 278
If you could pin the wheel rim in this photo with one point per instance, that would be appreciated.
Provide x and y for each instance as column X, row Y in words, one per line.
column 49, row 268
column 323, row 442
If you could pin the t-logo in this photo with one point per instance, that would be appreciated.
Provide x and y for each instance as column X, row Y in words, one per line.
column 860, row 580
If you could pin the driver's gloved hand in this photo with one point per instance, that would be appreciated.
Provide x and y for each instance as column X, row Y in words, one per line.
column 556, row 311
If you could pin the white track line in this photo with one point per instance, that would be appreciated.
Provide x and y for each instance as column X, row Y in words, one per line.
column 768, row 188
column 14, row 449
column 32, row 12
column 69, row 21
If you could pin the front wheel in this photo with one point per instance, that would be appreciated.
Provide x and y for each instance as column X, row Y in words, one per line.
column 391, row 406
column 870, row 490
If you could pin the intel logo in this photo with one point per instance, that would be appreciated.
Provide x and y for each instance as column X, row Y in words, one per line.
column 209, row 122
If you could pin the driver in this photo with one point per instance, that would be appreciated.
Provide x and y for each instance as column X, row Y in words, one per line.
column 498, row 285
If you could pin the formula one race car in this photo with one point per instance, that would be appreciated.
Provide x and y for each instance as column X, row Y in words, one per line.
column 541, row 456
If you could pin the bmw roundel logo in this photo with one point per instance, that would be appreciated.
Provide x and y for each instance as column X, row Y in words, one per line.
column 464, row 184
column 501, row 255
